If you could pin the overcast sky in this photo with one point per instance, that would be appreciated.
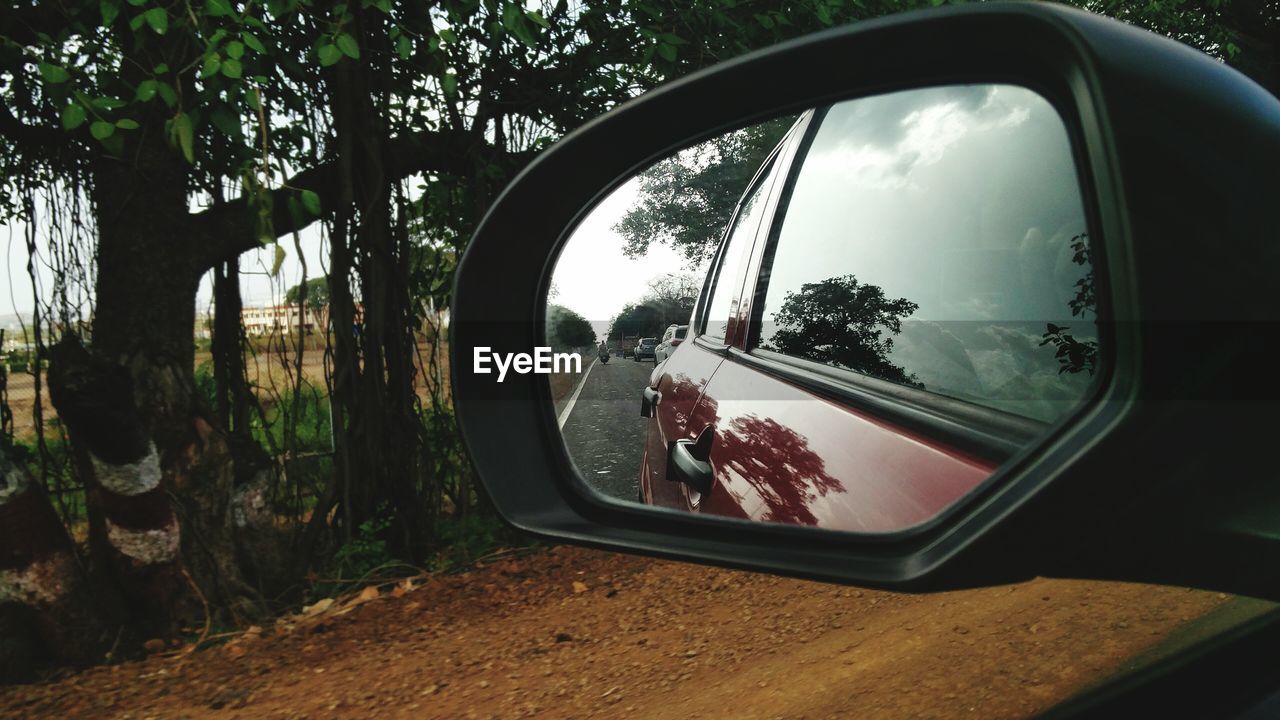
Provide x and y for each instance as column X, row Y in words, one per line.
column 594, row 278
column 257, row 285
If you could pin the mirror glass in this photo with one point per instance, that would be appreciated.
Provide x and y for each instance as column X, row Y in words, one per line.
column 825, row 319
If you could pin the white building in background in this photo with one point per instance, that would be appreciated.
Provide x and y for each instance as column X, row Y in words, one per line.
column 280, row 319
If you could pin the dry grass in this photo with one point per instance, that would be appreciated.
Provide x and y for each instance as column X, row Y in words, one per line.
column 270, row 371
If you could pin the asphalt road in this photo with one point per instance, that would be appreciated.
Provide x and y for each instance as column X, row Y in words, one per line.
column 604, row 431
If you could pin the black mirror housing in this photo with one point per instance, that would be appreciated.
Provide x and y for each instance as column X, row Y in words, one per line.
column 1162, row 477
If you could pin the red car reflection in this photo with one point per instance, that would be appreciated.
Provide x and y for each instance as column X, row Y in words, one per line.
column 778, row 453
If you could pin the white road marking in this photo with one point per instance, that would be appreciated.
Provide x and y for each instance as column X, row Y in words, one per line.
column 564, row 414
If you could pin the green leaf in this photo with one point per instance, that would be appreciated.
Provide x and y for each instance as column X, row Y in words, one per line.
column 252, row 99
column 185, row 136
column 329, row 54
column 537, row 18
column 160, row 69
column 278, row 260
column 667, row 52
column 231, row 68
column 110, row 10
column 311, row 201
column 101, row 129
column 72, row 116
column 146, row 90
column 446, row 35
column 218, row 8
column 212, row 64
column 295, row 212
column 253, row 42
column 226, row 121
column 158, row 19
column 114, row 144
column 449, row 83
column 235, row 50
column 165, row 90
column 53, row 74
column 107, row 103
column 511, row 15
column 127, row 124
column 137, row 3
column 514, row 21
column 137, row 22
column 348, row 46
column 404, row 47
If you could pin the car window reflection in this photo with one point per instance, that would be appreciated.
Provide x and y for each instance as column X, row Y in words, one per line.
column 935, row 238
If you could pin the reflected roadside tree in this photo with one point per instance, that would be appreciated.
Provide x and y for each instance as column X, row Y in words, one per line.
column 687, row 200
column 1075, row 356
column 779, row 465
column 844, row 323
column 669, row 301
column 568, row 329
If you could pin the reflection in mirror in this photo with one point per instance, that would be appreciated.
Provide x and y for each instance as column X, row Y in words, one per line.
column 760, row 314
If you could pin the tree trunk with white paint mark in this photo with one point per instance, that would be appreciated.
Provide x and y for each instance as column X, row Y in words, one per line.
column 134, row 535
column 45, row 614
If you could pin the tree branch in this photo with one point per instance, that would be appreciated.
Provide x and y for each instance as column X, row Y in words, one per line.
column 228, row 229
column 22, row 134
column 25, row 24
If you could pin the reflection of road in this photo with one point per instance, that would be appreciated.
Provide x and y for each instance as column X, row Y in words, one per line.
column 604, row 431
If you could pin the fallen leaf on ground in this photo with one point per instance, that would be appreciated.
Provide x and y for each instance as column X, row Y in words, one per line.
column 318, row 606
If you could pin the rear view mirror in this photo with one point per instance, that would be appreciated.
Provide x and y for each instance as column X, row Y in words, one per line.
column 995, row 304
column 927, row 248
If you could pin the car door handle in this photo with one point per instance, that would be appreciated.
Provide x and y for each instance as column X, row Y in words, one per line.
column 649, row 400
column 687, row 468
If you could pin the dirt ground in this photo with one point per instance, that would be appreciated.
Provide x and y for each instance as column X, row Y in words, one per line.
column 574, row 633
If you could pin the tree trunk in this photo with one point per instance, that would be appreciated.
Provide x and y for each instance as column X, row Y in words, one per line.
column 233, row 400
column 381, row 435
column 46, row 616
column 133, row 410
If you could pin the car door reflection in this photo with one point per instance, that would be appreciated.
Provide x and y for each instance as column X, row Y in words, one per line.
column 768, row 471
